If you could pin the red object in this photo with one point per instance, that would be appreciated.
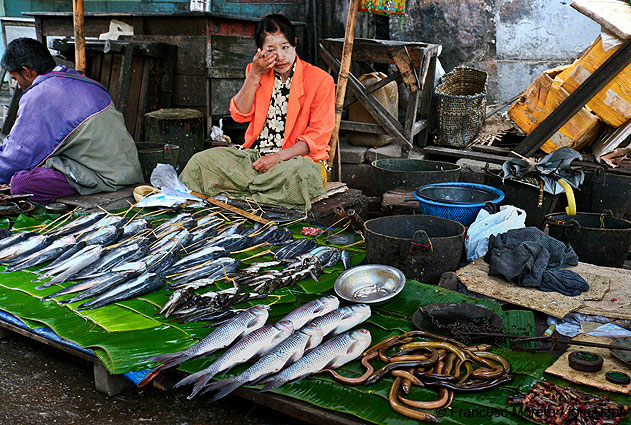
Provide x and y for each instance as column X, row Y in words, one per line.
column 311, row 231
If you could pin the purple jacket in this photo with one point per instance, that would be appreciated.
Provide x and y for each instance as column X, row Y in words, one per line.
column 50, row 109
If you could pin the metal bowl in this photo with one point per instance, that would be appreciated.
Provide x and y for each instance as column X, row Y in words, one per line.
column 370, row 284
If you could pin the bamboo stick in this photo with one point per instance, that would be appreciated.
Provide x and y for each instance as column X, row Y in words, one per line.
column 79, row 35
column 342, row 79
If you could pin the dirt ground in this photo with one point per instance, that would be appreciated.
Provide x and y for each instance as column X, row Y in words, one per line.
column 43, row 385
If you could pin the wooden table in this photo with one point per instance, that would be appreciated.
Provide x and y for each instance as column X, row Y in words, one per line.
column 416, row 65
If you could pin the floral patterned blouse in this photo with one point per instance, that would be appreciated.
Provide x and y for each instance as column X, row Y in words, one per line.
column 273, row 134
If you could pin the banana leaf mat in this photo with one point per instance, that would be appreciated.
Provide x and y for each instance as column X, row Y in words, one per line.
column 122, row 335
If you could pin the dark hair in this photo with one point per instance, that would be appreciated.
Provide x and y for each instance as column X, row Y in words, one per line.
column 29, row 53
column 271, row 24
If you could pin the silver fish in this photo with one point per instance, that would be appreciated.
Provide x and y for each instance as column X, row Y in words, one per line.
column 346, row 259
column 206, row 254
column 239, row 326
column 15, row 238
column 51, row 251
column 258, row 343
column 332, row 354
column 78, row 224
column 28, row 246
column 65, row 256
column 93, row 287
column 104, row 236
column 222, row 264
column 285, row 353
column 134, row 227
column 316, row 308
column 143, row 284
column 342, row 319
column 111, row 259
column 92, row 254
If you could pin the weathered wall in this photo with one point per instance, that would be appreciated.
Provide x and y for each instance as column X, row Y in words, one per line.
column 535, row 35
column 513, row 40
column 465, row 29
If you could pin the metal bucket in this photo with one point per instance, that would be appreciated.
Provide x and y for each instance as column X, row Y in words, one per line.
column 422, row 247
column 597, row 238
column 152, row 154
column 604, row 191
column 411, row 173
column 524, row 197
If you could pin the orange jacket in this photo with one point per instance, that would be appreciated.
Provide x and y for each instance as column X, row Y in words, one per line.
column 310, row 112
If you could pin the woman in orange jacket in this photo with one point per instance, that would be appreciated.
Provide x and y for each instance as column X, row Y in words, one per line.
column 290, row 105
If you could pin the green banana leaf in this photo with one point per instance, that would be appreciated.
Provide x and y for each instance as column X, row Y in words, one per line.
column 123, row 335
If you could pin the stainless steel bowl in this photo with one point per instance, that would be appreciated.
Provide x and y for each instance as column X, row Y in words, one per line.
column 371, row 284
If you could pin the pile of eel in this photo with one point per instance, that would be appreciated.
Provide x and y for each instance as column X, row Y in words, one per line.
column 287, row 351
column 419, row 358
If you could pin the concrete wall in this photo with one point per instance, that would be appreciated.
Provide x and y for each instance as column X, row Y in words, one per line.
column 534, row 35
column 513, row 40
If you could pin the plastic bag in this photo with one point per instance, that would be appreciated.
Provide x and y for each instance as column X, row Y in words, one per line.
column 486, row 224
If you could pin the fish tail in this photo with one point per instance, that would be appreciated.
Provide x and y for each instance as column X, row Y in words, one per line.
column 223, row 388
column 173, row 360
column 273, row 384
column 45, row 285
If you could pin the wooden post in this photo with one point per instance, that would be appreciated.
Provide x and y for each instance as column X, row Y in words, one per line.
column 342, row 79
column 79, row 35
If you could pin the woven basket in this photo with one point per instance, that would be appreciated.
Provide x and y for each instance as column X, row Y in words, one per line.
column 461, row 106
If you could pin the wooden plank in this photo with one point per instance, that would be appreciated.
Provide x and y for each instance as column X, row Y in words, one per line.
column 373, row 87
column 12, row 113
column 379, row 51
column 221, row 91
column 362, row 127
column 106, row 71
column 188, row 90
column 613, row 15
column 134, row 95
column 124, row 82
column 231, row 51
column 114, row 76
column 392, row 126
column 409, row 76
column 575, row 101
column 191, row 51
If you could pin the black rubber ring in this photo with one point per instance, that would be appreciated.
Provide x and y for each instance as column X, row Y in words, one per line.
column 585, row 361
column 616, row 377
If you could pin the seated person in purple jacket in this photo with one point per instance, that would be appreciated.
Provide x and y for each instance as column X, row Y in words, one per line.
column 68, row 137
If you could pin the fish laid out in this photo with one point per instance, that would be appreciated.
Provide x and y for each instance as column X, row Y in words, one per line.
column 294, row 347
column 256, row 344
column 331, row 354
column 242, row 324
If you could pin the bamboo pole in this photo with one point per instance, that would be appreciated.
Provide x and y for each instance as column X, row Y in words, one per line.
column 79, row 35
column 342, row 79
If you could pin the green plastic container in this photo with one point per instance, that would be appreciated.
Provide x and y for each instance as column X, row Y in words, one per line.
column 151, row 154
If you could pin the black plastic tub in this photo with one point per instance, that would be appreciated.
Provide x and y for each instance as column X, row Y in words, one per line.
column 408, row 174
column 422, row 247
column 597, row 238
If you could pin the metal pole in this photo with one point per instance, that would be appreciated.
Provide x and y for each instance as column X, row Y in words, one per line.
column 342, row 79
column 79, row 35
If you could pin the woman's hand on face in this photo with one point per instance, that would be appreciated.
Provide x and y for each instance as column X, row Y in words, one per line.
column 265, row 163
column 263, row 62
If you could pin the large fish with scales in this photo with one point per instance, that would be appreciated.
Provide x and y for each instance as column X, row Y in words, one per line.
column 256, row 344
column 331, row 354
column 239, row 326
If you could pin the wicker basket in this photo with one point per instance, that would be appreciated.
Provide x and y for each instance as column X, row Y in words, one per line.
column 461, row 106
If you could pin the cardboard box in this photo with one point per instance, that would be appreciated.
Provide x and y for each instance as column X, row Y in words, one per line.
column 613, row 103
column 543, row 96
